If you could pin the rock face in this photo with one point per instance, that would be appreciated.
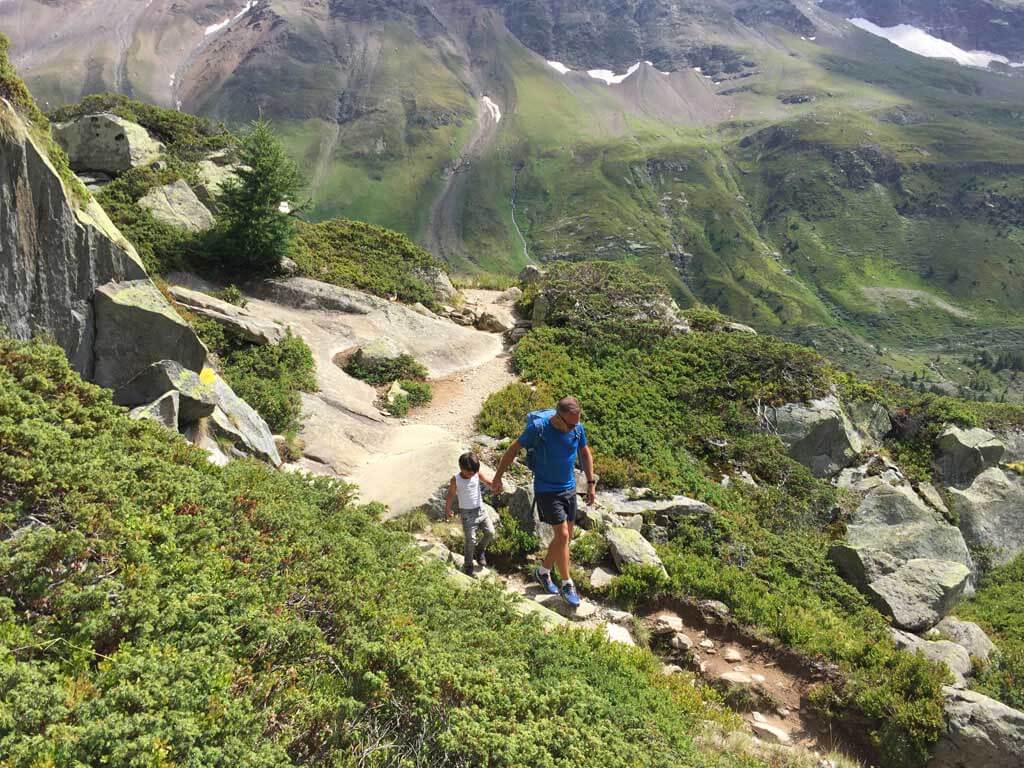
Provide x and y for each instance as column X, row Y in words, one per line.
column 820, row 435
column 196, row 397
column 106, row 143
column 239, row 422
column 304, row 293
column 136, row 327
column 991, row 513
column 912, row 564
column 212, row 178
column 164, row 411
column 980, row 733
column 963, row 453
column 53, row 255
column 438, row 282
column 176, row 204
column 236, row 319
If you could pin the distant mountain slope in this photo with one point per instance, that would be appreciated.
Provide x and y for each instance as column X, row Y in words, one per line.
column 764, row 156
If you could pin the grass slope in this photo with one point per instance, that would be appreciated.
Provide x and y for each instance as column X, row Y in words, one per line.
column 159, row 610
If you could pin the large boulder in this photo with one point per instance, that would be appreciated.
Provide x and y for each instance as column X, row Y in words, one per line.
column 521, row 507
column 628, row 547
column 665, row 512
column 980, row 733
column 991, row 511
column 968, row 636
column 962, row 453
column 818, row 434
column 177, row 205
column 919, row 592
column 911, row 563
column 956, row 659
column 54, row 252
column 107, row 143
column 236, row 319
column 379, row 351
column 196, row 396
column 213, row 176
column 305, row 293
column 136, row 327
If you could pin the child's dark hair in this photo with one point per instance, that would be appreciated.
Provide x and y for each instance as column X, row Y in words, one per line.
column 469, row 462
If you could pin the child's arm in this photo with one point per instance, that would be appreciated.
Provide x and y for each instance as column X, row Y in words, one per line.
column 448, row 501
column 486, row 480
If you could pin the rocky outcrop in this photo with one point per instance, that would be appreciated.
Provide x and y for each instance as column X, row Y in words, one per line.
column 304, row 293
column 236, row 319
column 53, row 254
column 438, row 282
column 177, row 205
column 163, row 410
column 213, row 175
column 991, row 511
column 238, row 421
column 961, row 454
column 980, row 733
column 136, row 327
column 822, row 436
column 911, row 563
column 106, row 143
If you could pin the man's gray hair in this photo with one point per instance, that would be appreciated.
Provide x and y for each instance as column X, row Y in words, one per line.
column 569, row 405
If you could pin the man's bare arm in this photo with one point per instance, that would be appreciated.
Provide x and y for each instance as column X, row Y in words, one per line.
column 587, row 460
column 505, row 463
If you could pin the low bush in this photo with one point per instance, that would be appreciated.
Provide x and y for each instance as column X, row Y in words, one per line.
column 382, row 371
column 373, row 259
column 268, row 377
column 511, row 541
column 160, row 610
column 590, row 548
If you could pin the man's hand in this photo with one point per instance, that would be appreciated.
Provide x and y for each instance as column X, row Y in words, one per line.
column 496, row 486
column 591, row 494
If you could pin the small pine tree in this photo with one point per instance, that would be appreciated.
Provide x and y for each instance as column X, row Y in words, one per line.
column 254, row 234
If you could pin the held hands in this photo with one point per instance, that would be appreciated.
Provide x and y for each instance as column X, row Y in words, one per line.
column 496, row 486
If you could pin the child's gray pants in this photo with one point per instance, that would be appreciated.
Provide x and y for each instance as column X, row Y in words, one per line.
column 474, row 520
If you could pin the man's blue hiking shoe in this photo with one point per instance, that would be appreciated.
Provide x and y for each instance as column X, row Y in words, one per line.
column 570, row 595
column 544, row 579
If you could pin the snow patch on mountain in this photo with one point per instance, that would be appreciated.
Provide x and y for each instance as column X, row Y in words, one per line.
column 215, row 28
column 918, row 41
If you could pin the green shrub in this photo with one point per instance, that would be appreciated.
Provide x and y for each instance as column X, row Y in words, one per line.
column 384, row 371
column 511, row 541
column 590, row 549
column 637, row 584
column 419, row 392
column 504, row 412
column 268, row 377
column 253, row 235
column 160, row 610
column 233, row 295
column 367, row 257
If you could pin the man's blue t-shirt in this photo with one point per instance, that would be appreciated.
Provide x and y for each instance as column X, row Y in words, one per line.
column 554, row 455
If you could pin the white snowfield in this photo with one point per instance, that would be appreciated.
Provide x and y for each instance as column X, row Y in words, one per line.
column 920, row 42
column 605, row 75
column 215, row 28
column 493, row 109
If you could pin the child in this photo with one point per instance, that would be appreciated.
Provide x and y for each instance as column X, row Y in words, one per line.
column 466, row 486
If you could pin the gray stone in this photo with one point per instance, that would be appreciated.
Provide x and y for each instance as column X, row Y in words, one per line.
column 212, row 178
column 636, row 522
column 732, row 655
column 980, row 733
column 741, row 679
column 235, row 319
column 738, row 328
column 305, row 293
column 871, row 420
column 521, row 506
column 541, row 307
column 920, row 592
column 861, row 566
column 54, row 252
column 585, row 610
column 618, row 634
column 963, row 453
column 770, row 733
column 511, row 296
column 136, row 327
column 968, row 636
column 438, row 282
column 628, row 547
column 665, row 512
column 956, row 658
column 620, row 617
column 107, row 143
column 991, row 514
column 163, row 410
column 601, row 578
column 818, row 435
column 177, row 205
column 196, row 393
column 490, row 322
column 531, row 274
column 378, row 351
column 681, row 642
column 933, row 498
column 666, row 624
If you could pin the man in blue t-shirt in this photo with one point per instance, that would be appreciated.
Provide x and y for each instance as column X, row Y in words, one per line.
column 555, row 438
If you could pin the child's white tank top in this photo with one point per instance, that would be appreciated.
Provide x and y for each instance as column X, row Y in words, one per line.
column 468, row 492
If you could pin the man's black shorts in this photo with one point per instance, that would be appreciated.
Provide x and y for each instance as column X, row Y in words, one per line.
column 556, row 508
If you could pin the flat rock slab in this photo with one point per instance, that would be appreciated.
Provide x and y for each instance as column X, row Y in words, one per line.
column 618, row 634
column 584, row 611
column 945, row 652
column 920, row 592
column 177, row 205
column 980, row 732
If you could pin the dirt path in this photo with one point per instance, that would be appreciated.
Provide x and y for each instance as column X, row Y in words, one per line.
column 460, row 397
